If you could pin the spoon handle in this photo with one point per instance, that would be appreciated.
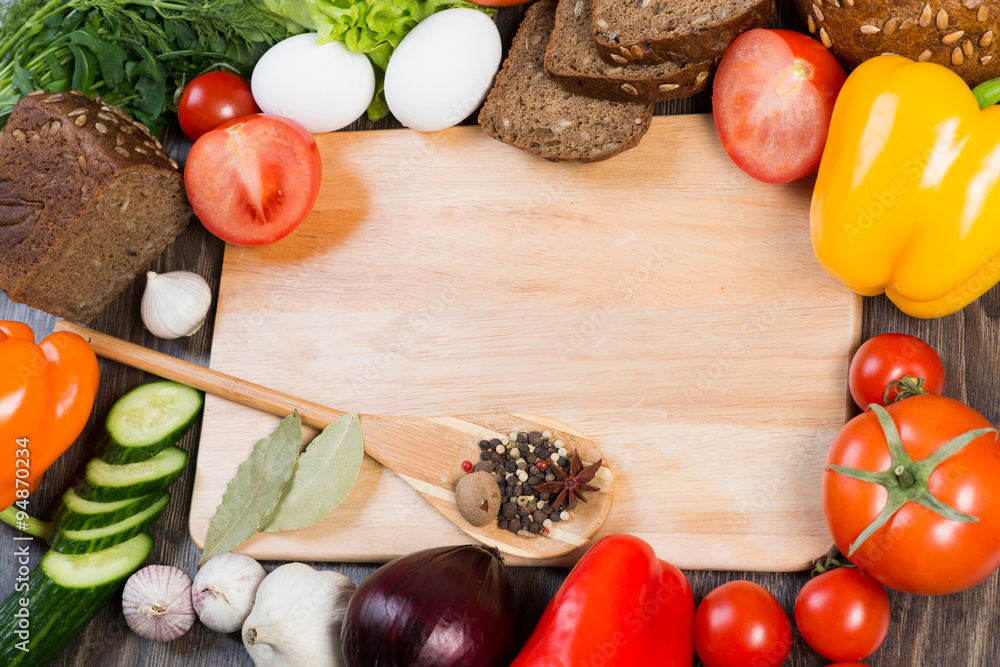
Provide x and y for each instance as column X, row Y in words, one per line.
column 207, row 380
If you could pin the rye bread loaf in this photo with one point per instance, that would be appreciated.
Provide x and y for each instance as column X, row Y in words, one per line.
column 958, row 34
column 656, row 31
column 572, row 60
column 528, row 110
column 87, row 200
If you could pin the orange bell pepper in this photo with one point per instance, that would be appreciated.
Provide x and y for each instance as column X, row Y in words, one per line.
column 46, row 394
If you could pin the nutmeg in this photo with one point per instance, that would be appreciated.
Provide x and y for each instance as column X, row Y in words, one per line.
column 478, row 498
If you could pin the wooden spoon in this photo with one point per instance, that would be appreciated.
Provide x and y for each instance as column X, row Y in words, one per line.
column 426, row 452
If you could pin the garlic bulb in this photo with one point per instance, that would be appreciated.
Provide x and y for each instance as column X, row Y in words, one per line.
column 175, row 304
column 157, row 603
column 224, row 591
column 296, row 618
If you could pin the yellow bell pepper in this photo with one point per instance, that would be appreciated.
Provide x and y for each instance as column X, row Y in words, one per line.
column 906, row 199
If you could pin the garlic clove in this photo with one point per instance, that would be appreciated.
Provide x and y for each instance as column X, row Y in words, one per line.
column 156, row 603
column 175, row 304
column 296, row 618
column 224, row 590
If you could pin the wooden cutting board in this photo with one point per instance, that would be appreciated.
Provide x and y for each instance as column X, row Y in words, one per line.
column 662, row 302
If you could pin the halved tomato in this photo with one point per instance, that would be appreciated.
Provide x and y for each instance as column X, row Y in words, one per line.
column 253, row 180
column 772, row 99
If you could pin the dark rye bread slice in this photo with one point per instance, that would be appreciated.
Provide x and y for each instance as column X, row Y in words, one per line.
column 573, row 61
column 656, row 31
column 87, row 201
column 528, row 110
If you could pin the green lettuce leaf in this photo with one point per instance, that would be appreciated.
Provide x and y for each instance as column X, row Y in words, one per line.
column 372, row 27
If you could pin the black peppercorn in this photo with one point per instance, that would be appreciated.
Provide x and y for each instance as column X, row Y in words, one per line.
column 523, row 511
column 483, row 466
column 495, row 442
column 522, row 465
column 535, row 438
column 502, row 524
column 485, row 456
column 484, row 445
column 518, row 490
column 538, row 516
column 564, row 463
column 535, row 527
column 510, row 466
column 496, row 458
column 514, row 525
column 536, row 480
column 533, row 470
column 509, row 510
column 531, row 458
column 555, row 516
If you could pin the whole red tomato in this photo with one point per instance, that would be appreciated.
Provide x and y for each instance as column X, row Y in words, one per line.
column 888, row 363
column 212, row 99
column 937, row 528
column 253, row 180
column 843, row 614
column 740, row 624
column 772, row 99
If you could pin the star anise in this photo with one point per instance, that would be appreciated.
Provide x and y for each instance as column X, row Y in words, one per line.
column 570, row 487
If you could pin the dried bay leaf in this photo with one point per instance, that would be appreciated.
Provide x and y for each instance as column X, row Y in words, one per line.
column 322, row 477
column 255, row 490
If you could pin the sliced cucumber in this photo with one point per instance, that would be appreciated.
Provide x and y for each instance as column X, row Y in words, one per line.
column 63, row 593
column 75, row 513
column 98, row 539
column 147, row 420
column 106, row 483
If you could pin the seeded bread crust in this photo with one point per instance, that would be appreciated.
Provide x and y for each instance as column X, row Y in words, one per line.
column 528, row 110
column 958, row 34
column 87, row 200
column 572, row 60
column 657, row 31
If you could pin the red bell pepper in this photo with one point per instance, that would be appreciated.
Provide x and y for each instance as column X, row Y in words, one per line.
column 619, row 606
column 46, row 394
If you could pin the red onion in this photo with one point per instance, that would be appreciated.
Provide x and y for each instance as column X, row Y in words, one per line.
column 447, row 607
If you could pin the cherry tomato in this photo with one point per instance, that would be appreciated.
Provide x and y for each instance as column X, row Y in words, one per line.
column 772, row 99
column 253, row 180
column 917, row 549
column 843, row 614
column 212, row 99
column 888, row 358
column 740, row 624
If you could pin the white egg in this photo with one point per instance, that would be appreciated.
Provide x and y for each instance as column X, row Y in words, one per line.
column 323, row 86
column 442, row 69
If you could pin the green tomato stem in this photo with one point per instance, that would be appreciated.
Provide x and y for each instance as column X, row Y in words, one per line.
column 906, row 480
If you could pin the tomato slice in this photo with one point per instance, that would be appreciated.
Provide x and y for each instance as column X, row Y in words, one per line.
column 253, row 180
column 773, row 98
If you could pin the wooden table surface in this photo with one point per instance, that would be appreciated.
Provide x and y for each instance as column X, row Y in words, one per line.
column 953, row 631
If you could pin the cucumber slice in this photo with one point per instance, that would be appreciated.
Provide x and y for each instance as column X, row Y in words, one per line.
column 98, row 539
column 63, row 593
column 105, row 483
column 147, row 420
column 75, row 513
